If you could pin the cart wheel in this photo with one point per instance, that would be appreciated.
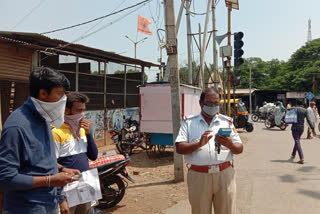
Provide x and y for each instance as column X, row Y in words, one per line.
column 161, row 149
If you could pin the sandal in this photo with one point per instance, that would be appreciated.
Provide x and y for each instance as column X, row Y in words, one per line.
column 301, row 161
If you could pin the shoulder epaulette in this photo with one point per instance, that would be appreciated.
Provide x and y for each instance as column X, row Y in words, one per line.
column 224, row 117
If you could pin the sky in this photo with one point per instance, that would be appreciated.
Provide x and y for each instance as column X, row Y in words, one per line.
column 273, row 29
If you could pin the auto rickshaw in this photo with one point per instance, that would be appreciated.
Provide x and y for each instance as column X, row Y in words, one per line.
column 239, row 113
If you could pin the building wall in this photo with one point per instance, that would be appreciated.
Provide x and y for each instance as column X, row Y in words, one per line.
column 15, row 63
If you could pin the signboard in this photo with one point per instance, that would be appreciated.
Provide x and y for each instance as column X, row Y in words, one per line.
column 309, row 96
column 296, row 95
column 281, row 96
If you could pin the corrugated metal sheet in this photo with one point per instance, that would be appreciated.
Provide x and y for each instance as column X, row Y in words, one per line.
column 15, row 63
column 34, row 39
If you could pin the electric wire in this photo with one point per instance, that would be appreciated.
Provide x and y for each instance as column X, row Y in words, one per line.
column 99, row 29
column 93, row 20
column 28, row 14
column 87, row 31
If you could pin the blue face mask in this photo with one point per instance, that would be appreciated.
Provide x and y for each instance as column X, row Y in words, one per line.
column 210, row 110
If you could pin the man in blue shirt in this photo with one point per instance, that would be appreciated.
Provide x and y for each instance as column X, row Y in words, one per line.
column 28, row 166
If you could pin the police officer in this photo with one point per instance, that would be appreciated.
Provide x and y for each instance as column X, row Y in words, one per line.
column 211, row 177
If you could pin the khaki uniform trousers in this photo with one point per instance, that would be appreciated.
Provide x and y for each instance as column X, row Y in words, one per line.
column 81, row 209
column 217, row 189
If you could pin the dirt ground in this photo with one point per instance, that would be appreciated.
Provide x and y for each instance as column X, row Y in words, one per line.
column 154, row 188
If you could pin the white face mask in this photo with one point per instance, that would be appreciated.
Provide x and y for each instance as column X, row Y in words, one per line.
column 210, row 110
column 53, row 112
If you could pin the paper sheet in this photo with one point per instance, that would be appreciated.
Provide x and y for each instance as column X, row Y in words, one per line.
column 85, row 190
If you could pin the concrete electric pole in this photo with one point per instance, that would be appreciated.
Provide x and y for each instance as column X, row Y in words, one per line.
column 172, row 49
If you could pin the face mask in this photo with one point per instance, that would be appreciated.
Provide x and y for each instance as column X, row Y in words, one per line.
column 74, row 122
column 53, row 112
column 210, row 110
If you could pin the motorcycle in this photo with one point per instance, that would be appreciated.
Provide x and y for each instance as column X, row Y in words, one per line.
column 127, row 138
column 270, row 123
column 258, row 115
column 113, row 187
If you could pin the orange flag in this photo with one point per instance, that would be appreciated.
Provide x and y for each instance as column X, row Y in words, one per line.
column 143, row 25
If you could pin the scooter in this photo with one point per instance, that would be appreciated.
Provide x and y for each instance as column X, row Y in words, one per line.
column 270, row 123
column 113, row 187
column 128, row 137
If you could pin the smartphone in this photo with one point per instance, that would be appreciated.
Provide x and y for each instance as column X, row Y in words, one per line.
column 77, row 176
column 224, row 131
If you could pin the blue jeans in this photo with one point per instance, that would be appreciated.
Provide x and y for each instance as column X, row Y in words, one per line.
column 297, row 146
column 55, row 211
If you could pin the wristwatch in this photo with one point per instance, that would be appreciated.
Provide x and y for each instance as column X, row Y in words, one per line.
column 61, row 168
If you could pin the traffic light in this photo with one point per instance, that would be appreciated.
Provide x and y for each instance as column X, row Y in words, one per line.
column 238, row 52
column 164, row 68
column 158, row 77
column 236, row 77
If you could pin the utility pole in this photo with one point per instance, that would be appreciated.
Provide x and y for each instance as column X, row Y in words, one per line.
column 172, row 43
column 201, row 65
column 314, row 83
column 189, row 39
column 215, row 55
column 204, row 47
column 229, row 58
column 250, row 101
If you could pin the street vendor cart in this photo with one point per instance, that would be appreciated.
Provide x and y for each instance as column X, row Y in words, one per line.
column 156, row 113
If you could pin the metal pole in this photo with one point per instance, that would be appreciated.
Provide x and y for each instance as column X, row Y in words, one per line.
column 125, row 88
column 135, row 54
column 215, row 55
column 201, row 65
column 188, row 3
column 314, row 84
column 172, row 52
column 229, row 58
column 179, row 16
column 77, row 73
column 250, row 101
column 203, row 52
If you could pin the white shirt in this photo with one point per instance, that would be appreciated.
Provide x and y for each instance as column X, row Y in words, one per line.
column 191, row 131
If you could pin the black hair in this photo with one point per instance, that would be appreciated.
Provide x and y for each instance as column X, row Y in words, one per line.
column 76, row 97
column 47, row 79
column 206, row 91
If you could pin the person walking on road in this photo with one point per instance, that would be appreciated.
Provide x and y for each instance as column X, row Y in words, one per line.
column 313, row 112
column 211, row 176
column 28, row 166
column 297, row 130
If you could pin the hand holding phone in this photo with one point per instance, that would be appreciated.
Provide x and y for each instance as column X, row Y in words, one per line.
column 225, row 131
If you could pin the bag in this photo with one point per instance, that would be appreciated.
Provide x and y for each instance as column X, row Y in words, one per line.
column 291, row 116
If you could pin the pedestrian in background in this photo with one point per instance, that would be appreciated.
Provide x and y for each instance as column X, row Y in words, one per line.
column 211, row 177
column 28, row 166
column 313, row 113
column 297, row 130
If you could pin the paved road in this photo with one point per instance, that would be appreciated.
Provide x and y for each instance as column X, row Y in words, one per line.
column 267, row 182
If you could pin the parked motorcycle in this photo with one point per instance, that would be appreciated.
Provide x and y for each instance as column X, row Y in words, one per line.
column 128, row 137
column 113, row 187
column 258, row 115
column 270, row 123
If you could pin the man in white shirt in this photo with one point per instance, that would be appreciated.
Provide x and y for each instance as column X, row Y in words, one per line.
column 211, row 177
column 313, row 113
